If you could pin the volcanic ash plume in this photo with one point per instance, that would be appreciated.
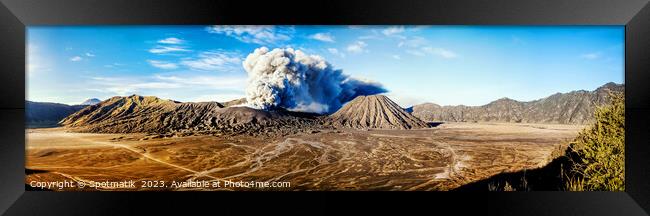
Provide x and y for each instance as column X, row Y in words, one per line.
column 291, row 79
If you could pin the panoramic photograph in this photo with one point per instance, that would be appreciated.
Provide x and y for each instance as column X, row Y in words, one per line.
column 325, row 108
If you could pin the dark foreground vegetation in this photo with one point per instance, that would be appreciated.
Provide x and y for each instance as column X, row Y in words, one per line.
column 594, row 161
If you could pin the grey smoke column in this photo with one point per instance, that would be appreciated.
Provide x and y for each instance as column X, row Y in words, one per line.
column 291, row 79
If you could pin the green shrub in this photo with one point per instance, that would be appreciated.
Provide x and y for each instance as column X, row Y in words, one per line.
column 598, row 153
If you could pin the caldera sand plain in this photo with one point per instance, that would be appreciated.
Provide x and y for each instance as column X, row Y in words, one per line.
column 438, row 158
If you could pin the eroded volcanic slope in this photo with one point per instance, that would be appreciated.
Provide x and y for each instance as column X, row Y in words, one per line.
column 375, row 111
column 576, row 107
column 150, row 114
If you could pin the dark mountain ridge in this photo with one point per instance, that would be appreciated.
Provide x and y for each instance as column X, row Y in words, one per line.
column 46, row 114
column 575, row 107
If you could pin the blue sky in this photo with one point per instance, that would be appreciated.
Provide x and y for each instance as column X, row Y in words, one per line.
column 447, row 65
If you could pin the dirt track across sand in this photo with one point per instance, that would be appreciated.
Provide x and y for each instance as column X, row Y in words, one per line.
column 440, row 158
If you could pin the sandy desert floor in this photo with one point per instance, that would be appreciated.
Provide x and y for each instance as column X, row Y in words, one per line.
column 440, row 158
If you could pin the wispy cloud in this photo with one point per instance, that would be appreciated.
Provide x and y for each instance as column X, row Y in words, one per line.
column 419, row 46
column 162, row 64
column 336, row 52
column 155, row 85
column 169, row 45
column 113, row 65
column 369, row 37
column 90, row 54
column 415, row 52
column 413, row 42
column 394, row 30
column 357, row 47
column 137, row 85
column 396, row 57
column 445, row 53
column 217, row 97
column 213, row 82
column 167, row 49
column 127, row 85
column 591, row 56
column 171, row 40
column 325, row 37
column 436, row 51
column 214, row 61
column 254, row 34
column 76, row 58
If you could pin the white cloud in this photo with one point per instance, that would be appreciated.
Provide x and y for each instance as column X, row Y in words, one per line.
column 79, row 58
column 253, row 34
column 374, row 34
column 419, row 46
column 162, row 64
column 436, row 51
column 167, row 49
column 413, row 42
column 440, row 52
column 217, row 97
column 394, row 30
column 114, row 65
column 139, row 85
column 335, row 51
column 415, row 52
column 171, row 40
column 213, row 82
column 214, row 61
column 368, row 37
column 397, row 57
column 169, row 45
column 357, row 47
column 128, row 85
column 591, row 56
column 155, row 85
column 325, row 37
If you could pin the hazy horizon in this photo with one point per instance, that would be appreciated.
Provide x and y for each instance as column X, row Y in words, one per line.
column 446, row 65
column 102, row 99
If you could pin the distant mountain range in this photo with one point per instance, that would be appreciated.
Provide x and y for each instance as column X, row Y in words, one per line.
column 154, row 115
column 45, row 114
column 576, row 107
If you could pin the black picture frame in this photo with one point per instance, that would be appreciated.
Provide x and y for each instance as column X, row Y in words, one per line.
column 15, row 15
